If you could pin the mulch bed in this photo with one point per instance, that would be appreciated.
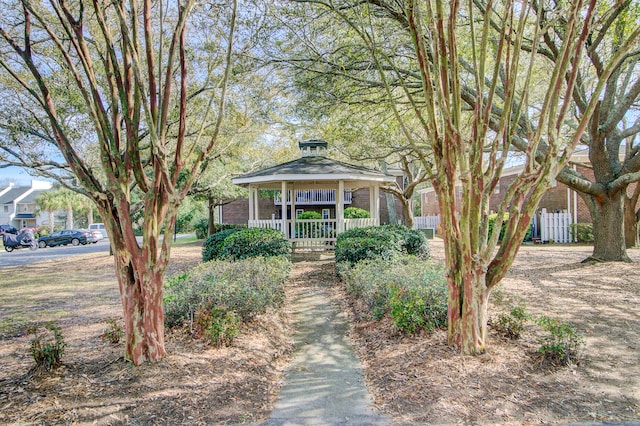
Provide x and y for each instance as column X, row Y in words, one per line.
column 416, row 378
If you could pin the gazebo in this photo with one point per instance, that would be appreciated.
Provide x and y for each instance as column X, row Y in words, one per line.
column 313, row 176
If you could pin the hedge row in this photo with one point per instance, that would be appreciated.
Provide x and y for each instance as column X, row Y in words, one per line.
column 412, row 291
column 215, row 297
column 237, row 243
column 383, row 242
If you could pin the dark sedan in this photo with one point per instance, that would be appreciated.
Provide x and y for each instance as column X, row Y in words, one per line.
column 64, row 237
column 8, row 228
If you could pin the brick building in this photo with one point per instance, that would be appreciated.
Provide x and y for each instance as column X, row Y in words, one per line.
column 559, row 198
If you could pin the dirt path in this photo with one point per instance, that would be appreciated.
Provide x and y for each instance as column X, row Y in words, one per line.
column 324, row 383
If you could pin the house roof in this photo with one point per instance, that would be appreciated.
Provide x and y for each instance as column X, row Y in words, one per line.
column 31, row 198
column 314, row 170
column 12, row 194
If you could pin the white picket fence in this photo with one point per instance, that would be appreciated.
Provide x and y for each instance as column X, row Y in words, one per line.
column 555, row 227
column 422, row 222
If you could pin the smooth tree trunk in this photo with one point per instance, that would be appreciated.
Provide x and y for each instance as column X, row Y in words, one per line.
column 140, row 268
column 391, row 207
column 69, row 218
column 630, row 223
column 52, row 219
column 608, row 228
column 407, row 211
column 211, row 206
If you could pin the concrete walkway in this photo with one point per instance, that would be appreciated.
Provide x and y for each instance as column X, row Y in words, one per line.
column 324, row 384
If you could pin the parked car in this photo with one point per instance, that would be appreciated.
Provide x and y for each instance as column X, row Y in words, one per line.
column 99, row 227
column 8, row 228
column 97, row 235
column 64, row 237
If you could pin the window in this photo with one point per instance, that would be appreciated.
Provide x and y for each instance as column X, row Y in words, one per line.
column 326, row 213
column 299, row 212
column 6, row 209
column 497, row 190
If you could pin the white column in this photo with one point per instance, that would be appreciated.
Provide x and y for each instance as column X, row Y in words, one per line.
column 251, row 211
column 293, row 210
column 340, row 207
column 376, row 202
column 372, row 211
column 283, row 195
column 256, row 204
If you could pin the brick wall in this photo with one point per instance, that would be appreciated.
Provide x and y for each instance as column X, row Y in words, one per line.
column 555, row 199
column 237, row 211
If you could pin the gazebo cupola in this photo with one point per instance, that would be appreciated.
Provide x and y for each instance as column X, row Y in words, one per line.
column 313, row 179
column 313, row 147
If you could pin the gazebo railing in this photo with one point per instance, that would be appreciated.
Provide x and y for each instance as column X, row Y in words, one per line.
column 312, row 232
column 267, row 223
column 313, row 229
column 359, row 223
column 313, row 197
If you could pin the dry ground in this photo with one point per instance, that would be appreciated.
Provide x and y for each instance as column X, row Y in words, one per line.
column 416, row 379
column 421, row 379
column 195, row 384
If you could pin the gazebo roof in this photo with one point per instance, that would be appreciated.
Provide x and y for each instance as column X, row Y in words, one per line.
column 314, row 170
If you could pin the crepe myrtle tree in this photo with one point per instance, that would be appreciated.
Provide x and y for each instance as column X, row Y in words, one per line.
column 469, row 147
column 339, row 71
column 466, row 151
column 105, row 84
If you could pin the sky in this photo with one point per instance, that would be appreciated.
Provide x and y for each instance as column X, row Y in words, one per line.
column 17, row 175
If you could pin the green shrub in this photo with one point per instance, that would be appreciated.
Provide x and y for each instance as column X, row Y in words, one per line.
column 412, row 241
column 180, row 299
column 406, row 309
column 212, row 247
column 309, row 215
column 246, row 287
column 255, row 242
column 218, row 325
column 511, row 324
column 583, row 232
column 217, row 227
column 369, row 242
column 305, row 229
column 413, row 291
column 380, row 232
column 492, row 223
column 357, row 249
column 47, row 345
column 114, row 331
column 356, row 213
column 563, row 344
column 201, row 226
